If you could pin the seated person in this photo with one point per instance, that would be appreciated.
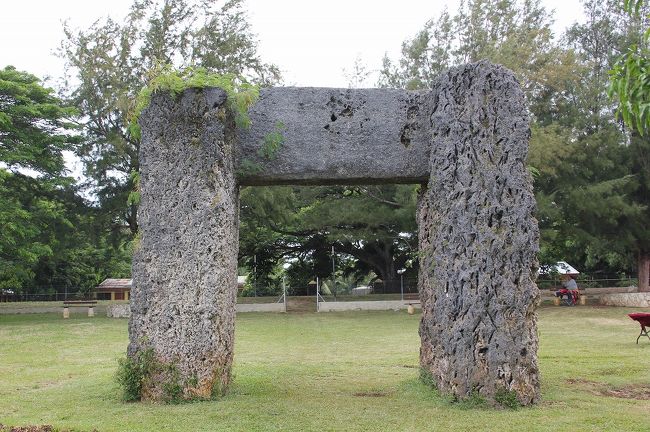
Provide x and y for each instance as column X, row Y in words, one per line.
column 569, row 289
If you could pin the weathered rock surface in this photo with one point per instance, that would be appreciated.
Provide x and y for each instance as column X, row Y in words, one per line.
column 345, row 136
column 118, row 311
column 185, row 269
column 478, row 239
column 467, row 138
column 636, row 299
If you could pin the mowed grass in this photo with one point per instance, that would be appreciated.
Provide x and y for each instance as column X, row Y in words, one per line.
column 354, row 371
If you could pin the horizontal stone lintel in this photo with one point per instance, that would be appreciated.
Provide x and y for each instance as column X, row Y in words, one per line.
column 336, row 136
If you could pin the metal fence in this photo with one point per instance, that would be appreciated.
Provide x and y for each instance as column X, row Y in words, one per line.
column 9, row 296
column 391, row 289
column 587, row 281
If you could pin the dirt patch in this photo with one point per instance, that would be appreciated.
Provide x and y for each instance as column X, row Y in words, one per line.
column 370, row 394
column 632, row 391
column 42, row 428
column 32, row 428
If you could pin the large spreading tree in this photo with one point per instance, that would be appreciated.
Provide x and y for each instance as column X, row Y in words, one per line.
column 108, row 64
column 49, row 241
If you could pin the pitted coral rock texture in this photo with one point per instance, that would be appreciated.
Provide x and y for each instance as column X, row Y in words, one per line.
column 479, row 239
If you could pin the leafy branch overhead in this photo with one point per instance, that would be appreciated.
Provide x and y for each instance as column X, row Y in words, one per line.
column 630, row 76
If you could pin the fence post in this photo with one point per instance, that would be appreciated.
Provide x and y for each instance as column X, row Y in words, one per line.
column 284, row 293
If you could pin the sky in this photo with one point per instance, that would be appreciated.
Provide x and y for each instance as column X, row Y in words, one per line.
column 313, row 42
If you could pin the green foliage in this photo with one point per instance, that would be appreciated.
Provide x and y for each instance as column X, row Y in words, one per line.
column 630, row 76
column 50, row 240
column 507, row 398
column 241, row 95
column 272, row 142
column 516, row 34
column 110, row 62
column 22, row 244
column 372, row 229
column 426, row 377
column 33, row 125
column 590, row 210
column 472, row 402
column 248, row 167
column 134, row 195
column 132, row 371
column 217, row 390
column 172, row 387
column 630, row 84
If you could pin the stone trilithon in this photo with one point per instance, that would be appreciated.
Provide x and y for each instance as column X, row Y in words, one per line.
column 465, row 140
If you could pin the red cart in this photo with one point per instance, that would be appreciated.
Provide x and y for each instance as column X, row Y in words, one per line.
column 644, row 321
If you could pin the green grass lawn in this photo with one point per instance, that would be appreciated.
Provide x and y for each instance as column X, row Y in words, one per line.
column 353, row 371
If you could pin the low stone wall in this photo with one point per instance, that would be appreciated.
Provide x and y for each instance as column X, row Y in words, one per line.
column 594, row 292
column 124, row 310
column 118, row 311
column 260, row 307
column 626, row 299
column 57, row 307
column 364, row 305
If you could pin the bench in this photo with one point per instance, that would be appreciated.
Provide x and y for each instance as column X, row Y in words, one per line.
column 79, row 303
column 411, row 299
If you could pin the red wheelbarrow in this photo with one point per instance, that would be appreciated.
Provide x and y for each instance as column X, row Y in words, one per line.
column 644, row 321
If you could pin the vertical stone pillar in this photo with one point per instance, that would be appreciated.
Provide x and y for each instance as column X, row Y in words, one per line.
column 479, row 239
column 185, row 267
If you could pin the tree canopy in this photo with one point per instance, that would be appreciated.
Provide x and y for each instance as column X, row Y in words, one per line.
column 589, row 152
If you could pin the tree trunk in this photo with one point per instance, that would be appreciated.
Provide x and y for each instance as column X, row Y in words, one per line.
column 644, row 272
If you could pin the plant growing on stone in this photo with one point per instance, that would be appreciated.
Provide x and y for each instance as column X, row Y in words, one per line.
column 506, row 398
column 241, row 94
column 427, row 378
column 132, row 372
column 108, row 62
column 272, row 142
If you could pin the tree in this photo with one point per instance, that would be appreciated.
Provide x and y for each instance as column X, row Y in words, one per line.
column 590, row 208
column 372, row 225
column 33, row 135
column 34, row 126
column 108, row 63
column 516, row 34
column 50, row 240
column 630, row 84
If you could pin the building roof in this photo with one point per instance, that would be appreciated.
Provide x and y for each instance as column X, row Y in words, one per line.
column 114, row 284
column 560, row 267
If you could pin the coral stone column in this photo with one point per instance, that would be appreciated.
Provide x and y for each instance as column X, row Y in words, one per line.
column 185, row 267
column 478, row 240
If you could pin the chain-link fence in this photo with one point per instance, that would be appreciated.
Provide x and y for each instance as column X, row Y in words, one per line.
column 7, row 295
column 588, row 281
column 390, row 289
